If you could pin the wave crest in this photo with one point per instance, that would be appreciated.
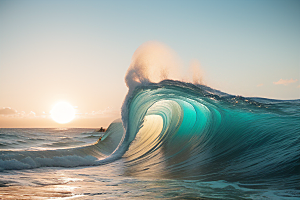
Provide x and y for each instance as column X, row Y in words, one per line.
column 174, row 129
column 209, row 135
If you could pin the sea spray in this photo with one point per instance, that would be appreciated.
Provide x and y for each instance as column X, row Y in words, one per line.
column 179, row 130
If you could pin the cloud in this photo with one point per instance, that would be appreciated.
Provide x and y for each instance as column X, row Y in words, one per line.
column 285, row 82
column 7, row 111
column 12, row 113
column 31, row 114
column 259, row 85
column 107, row 112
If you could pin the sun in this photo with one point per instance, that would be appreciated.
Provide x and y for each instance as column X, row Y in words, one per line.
column 62, row 112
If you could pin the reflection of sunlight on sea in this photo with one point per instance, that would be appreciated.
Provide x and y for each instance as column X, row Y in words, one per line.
column 65, row 178
column 108, row 182
column 61, row 129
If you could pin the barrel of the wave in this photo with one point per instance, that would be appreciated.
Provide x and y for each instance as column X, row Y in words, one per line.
column 210, row 136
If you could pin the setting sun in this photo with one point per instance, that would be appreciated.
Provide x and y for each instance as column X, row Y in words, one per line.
column 62, row 112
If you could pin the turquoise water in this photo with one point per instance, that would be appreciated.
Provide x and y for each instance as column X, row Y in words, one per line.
column 176, row 140
column 220, row 137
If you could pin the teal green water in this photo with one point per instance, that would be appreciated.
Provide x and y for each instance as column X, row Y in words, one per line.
column 177, row 139
column 209, row 135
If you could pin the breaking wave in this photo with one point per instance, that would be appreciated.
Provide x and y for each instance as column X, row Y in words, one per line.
column 180, row 130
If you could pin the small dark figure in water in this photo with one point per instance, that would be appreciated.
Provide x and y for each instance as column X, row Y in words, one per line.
column 101, row 130
column 99, row 138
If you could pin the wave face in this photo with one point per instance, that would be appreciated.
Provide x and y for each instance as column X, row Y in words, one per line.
column 178, row 130
column 185, row 131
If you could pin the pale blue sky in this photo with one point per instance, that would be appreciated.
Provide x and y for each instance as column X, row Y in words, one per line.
column 79, row 51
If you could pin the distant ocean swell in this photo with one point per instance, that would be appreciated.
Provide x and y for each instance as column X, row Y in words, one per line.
column 179, row 130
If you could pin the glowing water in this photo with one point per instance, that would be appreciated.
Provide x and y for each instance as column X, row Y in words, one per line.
column 176, row 130
column 189, row 134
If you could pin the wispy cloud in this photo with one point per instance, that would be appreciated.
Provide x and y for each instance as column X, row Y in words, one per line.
column 7, row 111
column 107, row 112
column 12, row 113
column 259, row 85
column 285, row 82
column 31, row 114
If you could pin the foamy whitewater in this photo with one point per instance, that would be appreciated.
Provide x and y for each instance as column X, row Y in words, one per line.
column 176, row 140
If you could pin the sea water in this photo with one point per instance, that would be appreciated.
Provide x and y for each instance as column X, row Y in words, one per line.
column 176, row 140
column 106, row 181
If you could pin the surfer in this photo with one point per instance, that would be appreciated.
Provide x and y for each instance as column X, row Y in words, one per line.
column 101, row 130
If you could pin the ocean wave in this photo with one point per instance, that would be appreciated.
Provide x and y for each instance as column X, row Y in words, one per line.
column 94, row 154
column 202, row 134
column 174, row 129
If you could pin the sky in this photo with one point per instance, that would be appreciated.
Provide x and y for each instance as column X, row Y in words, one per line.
column 79, row 52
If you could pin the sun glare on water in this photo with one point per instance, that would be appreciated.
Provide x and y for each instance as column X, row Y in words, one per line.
column 62, row 112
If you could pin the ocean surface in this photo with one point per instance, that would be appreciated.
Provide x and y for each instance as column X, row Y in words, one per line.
column 176, row 140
